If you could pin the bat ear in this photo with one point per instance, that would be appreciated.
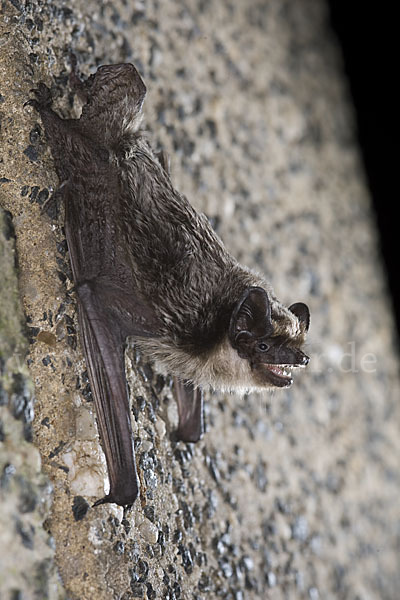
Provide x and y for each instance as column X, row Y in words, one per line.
column 251, row 317
column 302, row 313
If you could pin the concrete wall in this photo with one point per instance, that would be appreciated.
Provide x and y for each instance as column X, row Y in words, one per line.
column 292, row 495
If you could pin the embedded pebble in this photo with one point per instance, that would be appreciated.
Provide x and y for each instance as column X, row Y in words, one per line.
column 173, row 503
column 148, row 531
column 160, row 428
column 146, row 446
column 300, row 529
column 79, row 508
column 283, row 528
column 172, row 414
column 85, row 425
column 88, row 482
column 85, row 469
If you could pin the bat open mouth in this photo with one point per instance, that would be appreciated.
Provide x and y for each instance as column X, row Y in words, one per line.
column 279, row 375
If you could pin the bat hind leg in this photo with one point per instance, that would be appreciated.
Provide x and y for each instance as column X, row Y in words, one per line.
column 190, row 410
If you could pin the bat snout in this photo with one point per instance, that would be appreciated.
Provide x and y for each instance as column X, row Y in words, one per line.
column 303, row 359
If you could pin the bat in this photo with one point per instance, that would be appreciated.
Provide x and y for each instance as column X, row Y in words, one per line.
column 147, row 266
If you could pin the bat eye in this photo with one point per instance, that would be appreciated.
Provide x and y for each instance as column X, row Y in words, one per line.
column 263, row 347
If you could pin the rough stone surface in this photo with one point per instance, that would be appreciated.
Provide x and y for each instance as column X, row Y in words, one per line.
column 27, row 567
column 288, row 496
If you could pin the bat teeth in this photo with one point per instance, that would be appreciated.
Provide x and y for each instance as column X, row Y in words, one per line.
column 286, row 370
column 281, row 370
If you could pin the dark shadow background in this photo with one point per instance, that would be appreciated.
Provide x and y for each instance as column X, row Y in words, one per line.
column 364, row 33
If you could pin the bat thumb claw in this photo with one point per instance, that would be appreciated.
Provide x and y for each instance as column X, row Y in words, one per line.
column 110, row 498
column 104, row 500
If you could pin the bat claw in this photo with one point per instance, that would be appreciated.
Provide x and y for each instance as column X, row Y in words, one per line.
column 43, row 97
column 126, row 501
column 104, row 500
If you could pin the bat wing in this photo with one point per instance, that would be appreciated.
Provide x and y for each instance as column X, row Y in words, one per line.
column 104, row 351
column 109, row 310
column 104, row 330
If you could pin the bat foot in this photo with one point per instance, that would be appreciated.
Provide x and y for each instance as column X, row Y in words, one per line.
column 190, row 410
column 43, row 97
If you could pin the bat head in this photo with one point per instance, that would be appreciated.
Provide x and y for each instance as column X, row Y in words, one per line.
column 269, row 337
